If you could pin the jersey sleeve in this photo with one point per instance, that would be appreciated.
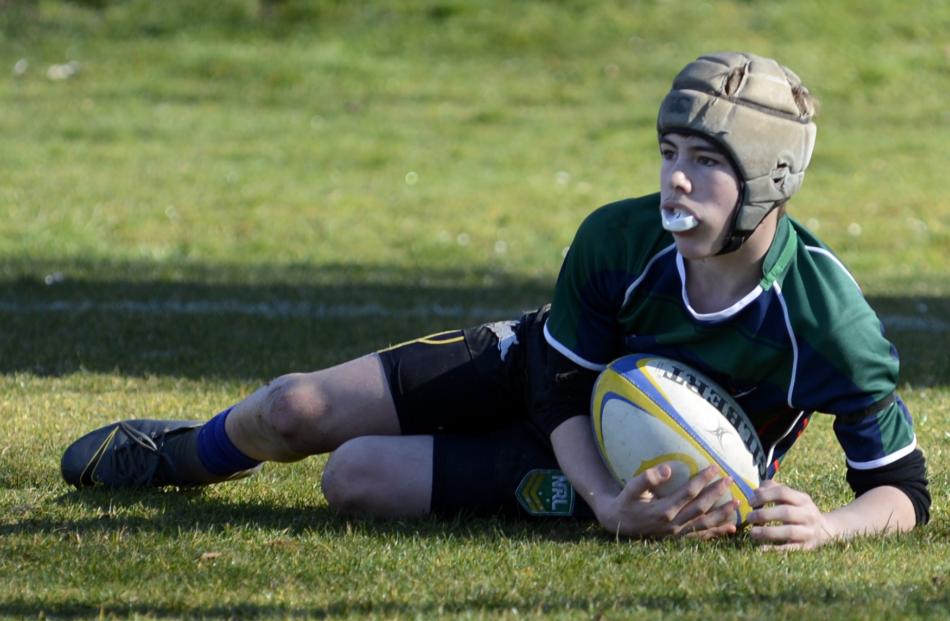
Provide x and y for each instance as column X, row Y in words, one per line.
column 845, row 366
column 852, row 374
column 567, row 390
column 609, row 248
column 878, row 437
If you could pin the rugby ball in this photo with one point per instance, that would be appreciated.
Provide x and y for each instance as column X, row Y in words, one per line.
column 648, row 410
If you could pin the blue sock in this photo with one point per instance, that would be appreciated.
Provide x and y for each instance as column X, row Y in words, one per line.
column 216, row 451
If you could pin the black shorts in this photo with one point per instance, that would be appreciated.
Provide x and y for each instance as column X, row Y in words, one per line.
column 473, row 391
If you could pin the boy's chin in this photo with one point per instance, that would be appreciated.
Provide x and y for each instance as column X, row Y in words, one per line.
column 692, row 248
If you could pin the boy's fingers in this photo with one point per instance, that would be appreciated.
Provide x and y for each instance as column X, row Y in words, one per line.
column 646, row 481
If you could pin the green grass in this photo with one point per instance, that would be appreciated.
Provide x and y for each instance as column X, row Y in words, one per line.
column 433, row 159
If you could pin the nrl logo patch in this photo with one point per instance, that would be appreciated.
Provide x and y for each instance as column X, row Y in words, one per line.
column 546, row 493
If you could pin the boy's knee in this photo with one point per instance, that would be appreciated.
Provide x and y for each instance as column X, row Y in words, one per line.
column 349, row 482
column 296, row 405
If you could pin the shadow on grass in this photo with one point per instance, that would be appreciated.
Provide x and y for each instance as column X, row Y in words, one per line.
column 192, row 510
column 235, row 322
column 727, row 603
column 226, row 321
column 181, row 512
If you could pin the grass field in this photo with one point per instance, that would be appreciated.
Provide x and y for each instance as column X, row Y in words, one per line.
column 219, row 196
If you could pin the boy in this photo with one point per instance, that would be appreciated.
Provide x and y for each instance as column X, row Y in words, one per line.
column 709, row 271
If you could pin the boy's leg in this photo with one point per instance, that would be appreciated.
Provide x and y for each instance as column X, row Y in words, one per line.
column 511, row 471
column 292, row 417
column 449, row 382
column 305, row 414
column 381, row 476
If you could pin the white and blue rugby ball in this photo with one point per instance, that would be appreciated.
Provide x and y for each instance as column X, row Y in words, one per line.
column 648, row 410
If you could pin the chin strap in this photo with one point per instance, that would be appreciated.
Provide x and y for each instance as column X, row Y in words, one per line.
column 736, row 238
column 733, row 241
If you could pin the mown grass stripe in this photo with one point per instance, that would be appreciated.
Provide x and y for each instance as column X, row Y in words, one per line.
column 307, row 310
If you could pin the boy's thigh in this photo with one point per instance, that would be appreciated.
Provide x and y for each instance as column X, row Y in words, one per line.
column 511, row 471
column 381, row 476
column 456, row 381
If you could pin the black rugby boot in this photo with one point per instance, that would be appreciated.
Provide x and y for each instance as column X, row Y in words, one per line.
column 139, row 453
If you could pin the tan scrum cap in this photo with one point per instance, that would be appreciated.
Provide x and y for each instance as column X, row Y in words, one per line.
column 750, row 106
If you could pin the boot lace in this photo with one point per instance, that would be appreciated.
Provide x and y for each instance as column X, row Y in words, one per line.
column 137, row 461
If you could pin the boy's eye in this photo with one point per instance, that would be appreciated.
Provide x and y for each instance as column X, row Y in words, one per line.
column 707, row 161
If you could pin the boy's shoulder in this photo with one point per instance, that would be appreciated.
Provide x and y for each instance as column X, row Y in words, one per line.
column 624, row 228
column 827, row 307
column 819, row 275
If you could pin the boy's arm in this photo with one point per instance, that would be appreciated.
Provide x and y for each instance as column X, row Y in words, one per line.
column 633, row 510
column 883, row 509
column 791, row 521
column 892, row 494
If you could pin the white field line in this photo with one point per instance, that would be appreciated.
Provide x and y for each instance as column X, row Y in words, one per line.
column 914, row 323
column 276, row 309
column 273, row 309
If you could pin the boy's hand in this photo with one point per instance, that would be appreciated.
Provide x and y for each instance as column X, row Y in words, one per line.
column 689, row 511
column 797, row 524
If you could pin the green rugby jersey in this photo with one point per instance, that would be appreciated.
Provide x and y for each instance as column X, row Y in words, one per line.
column 804, row 340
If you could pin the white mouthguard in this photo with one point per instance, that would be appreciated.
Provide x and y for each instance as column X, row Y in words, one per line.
column 677, row 221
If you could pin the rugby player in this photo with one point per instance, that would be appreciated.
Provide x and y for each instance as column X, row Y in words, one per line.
column 494, row 418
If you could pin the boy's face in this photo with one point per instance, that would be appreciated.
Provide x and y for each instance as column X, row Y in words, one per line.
column 696, row 177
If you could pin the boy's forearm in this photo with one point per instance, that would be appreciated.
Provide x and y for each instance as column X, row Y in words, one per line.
column 577, row 456
column 882, row 509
